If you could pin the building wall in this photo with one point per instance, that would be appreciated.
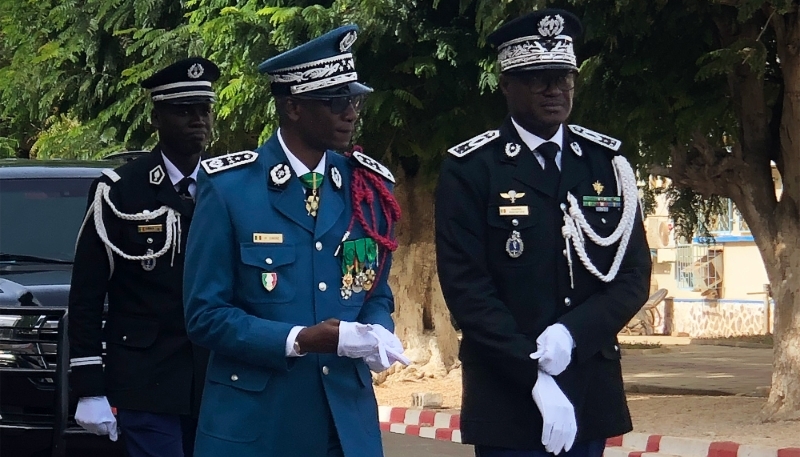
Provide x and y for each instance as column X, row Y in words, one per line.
column 713, row 318
column 744, row 273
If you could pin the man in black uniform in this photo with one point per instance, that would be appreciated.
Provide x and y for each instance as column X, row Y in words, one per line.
column 542, row 258
column 131, row 249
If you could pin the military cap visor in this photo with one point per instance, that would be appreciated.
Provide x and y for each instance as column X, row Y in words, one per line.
column 186, row 82
column 541, row 40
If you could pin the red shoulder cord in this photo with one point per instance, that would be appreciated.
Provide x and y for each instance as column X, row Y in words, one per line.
column 365, row 185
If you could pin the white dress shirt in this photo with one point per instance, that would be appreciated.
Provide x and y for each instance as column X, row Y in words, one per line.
column 533, row 142
column 299, row 169
column 175, row 175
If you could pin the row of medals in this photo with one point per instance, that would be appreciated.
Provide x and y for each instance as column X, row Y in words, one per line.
column 362, row 281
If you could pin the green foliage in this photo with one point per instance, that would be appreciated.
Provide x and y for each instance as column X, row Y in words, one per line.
column 653, row 73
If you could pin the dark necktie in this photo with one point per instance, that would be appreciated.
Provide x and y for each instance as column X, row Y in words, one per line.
column 552, row 175
column 183, row 191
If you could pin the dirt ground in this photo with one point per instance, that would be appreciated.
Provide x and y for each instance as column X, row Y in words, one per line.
column 732, row 418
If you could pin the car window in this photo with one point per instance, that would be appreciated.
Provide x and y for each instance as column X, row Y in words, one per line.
column 41, row 217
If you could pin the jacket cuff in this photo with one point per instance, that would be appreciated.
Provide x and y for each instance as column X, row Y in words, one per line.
column 87, row 381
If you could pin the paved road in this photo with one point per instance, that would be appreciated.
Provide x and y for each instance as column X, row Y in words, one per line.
column 699, row 369
column 396, row 445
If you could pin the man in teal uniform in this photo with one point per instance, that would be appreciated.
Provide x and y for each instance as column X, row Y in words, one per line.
column 286, row 279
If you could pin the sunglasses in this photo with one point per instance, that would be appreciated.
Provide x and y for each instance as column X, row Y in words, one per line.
column 540, row 82
column 339, row 105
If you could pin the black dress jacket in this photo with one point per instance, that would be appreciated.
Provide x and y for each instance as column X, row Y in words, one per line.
column 503, row 303
column 150, row 364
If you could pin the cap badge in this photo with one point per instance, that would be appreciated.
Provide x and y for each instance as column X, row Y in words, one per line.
column 551, row 26
column 348, row 40
column 195, row 71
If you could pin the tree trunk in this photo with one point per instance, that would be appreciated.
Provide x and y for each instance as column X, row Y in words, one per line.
column 422, row 320
column 783, row 269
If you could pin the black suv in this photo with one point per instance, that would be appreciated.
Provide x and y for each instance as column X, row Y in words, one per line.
column 42, row 206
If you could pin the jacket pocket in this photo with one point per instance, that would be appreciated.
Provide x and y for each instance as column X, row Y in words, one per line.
column 232, row 404
column 268, row 272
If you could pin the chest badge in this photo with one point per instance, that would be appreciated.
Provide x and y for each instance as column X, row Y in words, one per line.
column 514, row 245
column 269, row 280
column 512, row 195
column 598, row 187
column 149, row 264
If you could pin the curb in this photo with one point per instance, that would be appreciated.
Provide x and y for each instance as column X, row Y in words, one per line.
column 445, row 426
column 734, row 344
column 650, row 389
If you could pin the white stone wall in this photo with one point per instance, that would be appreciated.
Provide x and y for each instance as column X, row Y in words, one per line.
column 712, row 318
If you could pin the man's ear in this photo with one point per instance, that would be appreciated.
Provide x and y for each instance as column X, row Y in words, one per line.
column 504, row 82
column 155, row 121
column 293, row 108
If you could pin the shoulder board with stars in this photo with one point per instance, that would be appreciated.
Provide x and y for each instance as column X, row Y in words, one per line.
column 228, row 161
column 599, row 138
column 462, row 149
column 372, row 164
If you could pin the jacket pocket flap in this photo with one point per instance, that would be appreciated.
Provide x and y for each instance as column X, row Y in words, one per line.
column 226, row 371
column 611, row 352
column 267, row 257
column 135, row 332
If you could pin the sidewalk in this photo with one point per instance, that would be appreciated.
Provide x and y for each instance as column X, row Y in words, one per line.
column 698, row 370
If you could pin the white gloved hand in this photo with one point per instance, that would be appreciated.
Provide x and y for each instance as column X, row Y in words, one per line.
column 389, row 350
column 558, row 415
column 554, row 349
column 94, row 414
column 355, row 340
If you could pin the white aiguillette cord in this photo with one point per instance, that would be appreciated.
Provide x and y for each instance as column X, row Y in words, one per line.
column 173, row 225
column 575, row 225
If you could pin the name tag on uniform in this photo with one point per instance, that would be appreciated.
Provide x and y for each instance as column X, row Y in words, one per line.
column 519, row 210
column 150, row 228
column 268, row 238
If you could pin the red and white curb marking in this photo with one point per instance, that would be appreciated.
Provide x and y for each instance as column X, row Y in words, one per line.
column 446, row 427
column 421, row 422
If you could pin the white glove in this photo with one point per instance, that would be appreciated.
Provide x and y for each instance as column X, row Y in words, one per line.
column 554, row 349
column 558, row 415
column 355, row 340
column 94, row 414
column 389, row 351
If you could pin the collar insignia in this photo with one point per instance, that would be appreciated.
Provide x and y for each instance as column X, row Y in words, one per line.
column 157, row 175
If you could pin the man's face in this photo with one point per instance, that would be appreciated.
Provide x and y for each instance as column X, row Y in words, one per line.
column 329, row 123
column 185, row 129
column 539, row 100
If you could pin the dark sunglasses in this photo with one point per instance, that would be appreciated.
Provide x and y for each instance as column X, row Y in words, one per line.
column 539, row 82
column 339, row 105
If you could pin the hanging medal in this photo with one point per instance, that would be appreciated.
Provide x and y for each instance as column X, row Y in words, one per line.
column 348, row 257
column 514, row 245
column 360, row 260
column 312, row 181
column 370, row 264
